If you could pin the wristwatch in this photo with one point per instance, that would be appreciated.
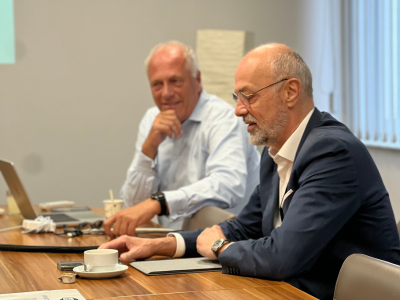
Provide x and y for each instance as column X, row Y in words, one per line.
column 218, row 245
column 159, row 196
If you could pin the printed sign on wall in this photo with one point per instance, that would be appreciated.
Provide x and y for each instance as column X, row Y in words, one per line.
column 219, row 53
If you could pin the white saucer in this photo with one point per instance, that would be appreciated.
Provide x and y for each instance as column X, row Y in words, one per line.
column 153, row 230
column 119, row 270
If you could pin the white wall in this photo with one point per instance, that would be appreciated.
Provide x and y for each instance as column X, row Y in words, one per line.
column 71, row 105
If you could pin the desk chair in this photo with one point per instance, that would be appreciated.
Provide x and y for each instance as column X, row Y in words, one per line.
column 207, row 217
column 367, row 278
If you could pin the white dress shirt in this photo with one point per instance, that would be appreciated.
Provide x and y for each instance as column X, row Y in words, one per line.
column 211, row 163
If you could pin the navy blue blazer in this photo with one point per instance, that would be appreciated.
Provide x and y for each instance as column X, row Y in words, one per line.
column 339, row 206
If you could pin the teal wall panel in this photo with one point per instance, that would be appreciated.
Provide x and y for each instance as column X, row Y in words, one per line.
column 7, row 35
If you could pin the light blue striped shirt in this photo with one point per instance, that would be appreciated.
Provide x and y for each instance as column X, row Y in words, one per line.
column 211, row 163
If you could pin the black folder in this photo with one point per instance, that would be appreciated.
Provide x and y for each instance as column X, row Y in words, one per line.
column 176, row 266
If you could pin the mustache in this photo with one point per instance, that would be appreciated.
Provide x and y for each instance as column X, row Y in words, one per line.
column 249, row 118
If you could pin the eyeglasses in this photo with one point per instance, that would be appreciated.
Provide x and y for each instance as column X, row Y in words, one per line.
column 83, row 228
column 245, row 98
column 86, row 225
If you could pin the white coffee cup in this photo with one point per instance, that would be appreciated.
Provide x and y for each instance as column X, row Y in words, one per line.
column 101, row 260
column 111, row 207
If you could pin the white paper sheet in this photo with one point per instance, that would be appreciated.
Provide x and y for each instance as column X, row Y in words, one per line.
column 70, row 294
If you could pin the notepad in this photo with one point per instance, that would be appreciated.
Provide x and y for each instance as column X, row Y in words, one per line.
column 176, row 266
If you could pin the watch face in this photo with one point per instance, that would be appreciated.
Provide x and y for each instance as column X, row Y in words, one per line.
column 157, row 196
column 217, row 244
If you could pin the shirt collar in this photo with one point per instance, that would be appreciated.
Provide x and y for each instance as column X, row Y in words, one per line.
column 197, row 113
column 289, row 148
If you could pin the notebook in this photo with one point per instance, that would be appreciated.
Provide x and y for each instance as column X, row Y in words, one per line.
column 176, row 266
column 25, row 205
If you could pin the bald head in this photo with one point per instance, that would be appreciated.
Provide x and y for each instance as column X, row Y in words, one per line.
column 280, row 61
column 274, row 86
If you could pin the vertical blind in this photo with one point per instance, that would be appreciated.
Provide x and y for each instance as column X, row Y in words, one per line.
column 372, row 71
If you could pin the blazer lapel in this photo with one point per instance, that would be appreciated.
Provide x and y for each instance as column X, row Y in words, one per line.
column 269, row 193
column 314, row 121
column 286, row 205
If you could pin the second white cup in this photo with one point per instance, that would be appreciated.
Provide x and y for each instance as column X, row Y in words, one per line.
column 111, row 207
column 101, row 260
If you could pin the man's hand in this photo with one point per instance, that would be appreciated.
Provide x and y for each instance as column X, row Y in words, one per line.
column 125, row 221
column 207, row 238
column 131, row 248
column 165, row 124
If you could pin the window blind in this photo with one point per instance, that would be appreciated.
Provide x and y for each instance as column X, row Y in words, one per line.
column 372, row 66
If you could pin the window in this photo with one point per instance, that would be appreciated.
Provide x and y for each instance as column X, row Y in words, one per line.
column 372, row 71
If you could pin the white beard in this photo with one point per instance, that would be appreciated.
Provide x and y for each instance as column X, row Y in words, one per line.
column 267, row 135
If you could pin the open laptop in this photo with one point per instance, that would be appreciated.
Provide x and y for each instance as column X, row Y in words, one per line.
column 27, row 209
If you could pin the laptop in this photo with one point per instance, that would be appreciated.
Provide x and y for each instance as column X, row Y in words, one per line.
column 28, row 211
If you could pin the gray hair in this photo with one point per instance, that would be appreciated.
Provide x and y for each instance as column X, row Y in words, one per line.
column 289, row 64
column 191, row 59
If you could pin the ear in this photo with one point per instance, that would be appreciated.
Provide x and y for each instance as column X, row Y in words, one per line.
column 198, row 82
column 292, row 92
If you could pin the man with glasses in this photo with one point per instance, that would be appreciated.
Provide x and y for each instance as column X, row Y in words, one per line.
column 320, row 197
column 191, row 150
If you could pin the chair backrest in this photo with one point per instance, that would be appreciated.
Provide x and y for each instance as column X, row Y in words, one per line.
column 367, row 278
column 207, row 217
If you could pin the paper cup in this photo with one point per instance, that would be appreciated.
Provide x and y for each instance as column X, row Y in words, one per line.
column 111, row 208
column 101, row 260
column 13, row 208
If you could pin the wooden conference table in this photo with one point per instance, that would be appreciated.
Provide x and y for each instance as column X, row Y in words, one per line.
column 29, row 271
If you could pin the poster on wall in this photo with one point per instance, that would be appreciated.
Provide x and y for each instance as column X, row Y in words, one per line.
column 219, row 53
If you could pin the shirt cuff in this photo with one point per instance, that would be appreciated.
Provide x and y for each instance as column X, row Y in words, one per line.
column 177, row 204
column 180, row 244
column 145, row 162
column 228, row 245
